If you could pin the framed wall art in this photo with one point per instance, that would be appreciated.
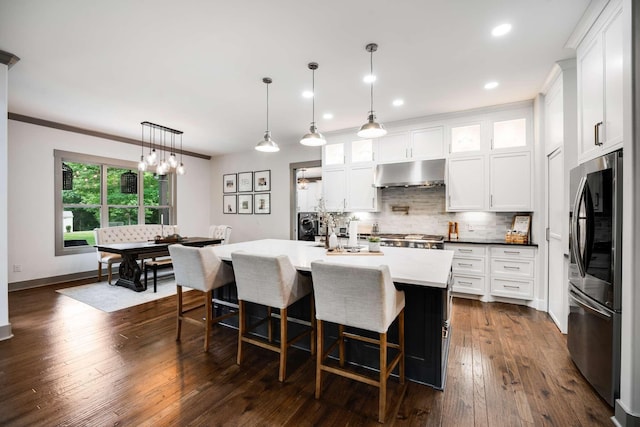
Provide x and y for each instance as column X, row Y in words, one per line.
column 245, row 182
column 229, row 204
column 245, row 203
column 229, row 183
column 262, row 203
column 262, row 180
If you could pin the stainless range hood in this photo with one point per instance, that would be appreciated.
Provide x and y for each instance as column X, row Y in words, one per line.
column 424, row 173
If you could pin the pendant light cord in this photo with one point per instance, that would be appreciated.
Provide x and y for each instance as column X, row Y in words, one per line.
column 313, row 100
column 371, row 76
column 267, row 107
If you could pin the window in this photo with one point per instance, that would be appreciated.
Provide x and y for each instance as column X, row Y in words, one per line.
column 93, row 192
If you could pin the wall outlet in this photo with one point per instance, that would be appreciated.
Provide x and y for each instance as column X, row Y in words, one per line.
column 17, row 268
column 469, row 227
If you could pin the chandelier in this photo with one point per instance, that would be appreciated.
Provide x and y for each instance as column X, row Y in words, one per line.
column 164, row 139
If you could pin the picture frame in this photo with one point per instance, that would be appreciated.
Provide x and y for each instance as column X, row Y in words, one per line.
column 262, row 180
column 262, row 203
column 229, row 183
column 245, row 204
column 521, row 224
column 245, row 182
column 230, row 204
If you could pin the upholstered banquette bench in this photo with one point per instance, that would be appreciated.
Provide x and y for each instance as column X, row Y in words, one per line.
column 126, row 234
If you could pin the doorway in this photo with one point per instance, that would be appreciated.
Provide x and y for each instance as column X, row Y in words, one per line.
column 305, row 189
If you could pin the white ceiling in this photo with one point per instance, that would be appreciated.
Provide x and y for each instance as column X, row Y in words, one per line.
column 197, row 66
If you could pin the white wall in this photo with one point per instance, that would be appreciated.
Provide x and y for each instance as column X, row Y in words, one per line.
column 277, row 224
column 31, row 197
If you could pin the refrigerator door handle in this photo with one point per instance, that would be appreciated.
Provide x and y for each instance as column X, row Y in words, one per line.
column 588, row 306
column 574, row 226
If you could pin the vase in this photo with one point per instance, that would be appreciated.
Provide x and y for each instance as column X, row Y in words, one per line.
column 333, row 241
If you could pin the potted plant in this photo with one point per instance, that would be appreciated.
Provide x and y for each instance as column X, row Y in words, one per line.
column 374, row 244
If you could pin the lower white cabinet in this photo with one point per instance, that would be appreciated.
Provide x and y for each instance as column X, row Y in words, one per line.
column 493, row 270
column 512, row 271
column 468, row 268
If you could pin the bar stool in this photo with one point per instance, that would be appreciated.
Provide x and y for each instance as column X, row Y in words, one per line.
column 364, row 298
column 200, row 269
column 271, row 281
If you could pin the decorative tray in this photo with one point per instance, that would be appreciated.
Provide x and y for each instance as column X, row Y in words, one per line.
column 347, row 253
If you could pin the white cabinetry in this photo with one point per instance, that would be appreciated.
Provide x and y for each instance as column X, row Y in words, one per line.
column 465, row 184
column 510, row 182
column 308, row 199
column 468, row 268
column 347, row 176
column 417, row 144
column 599, row 63
column 512, row 271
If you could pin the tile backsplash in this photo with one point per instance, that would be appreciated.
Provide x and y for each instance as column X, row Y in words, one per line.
column 427, row 215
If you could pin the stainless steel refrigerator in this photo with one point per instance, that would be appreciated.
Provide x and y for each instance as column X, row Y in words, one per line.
column 595, row 272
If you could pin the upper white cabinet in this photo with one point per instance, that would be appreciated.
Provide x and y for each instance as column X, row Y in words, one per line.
column 600, row 64
column 416, row 144
column 466, row 138
column 347, row 175
column 465, row 184
column 509, row 134
column 510, row 182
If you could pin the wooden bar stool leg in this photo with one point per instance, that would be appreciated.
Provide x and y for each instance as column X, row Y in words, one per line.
column 312, row 341
column 283, row 344
column 341, row 344
column 401, row 342
column 207, row 318
column 109, row 273
column 382, row 403
column 179, row 325
column 99, row 271
column 241, row 329
column 319, row 352
column 269, row 325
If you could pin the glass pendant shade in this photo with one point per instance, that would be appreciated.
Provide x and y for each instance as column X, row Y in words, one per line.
column 313, row 138
column 173, row 161
column 267, row 145
column 152, row 158
column 180, row 169
column 142, row 165
column 372, row 129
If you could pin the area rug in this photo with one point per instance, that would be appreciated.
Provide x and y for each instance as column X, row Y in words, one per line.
column 109, row 298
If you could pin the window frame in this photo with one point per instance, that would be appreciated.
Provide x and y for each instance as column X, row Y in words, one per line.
column 104, row 163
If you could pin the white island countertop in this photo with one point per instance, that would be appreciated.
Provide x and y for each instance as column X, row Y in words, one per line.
column 423, row 267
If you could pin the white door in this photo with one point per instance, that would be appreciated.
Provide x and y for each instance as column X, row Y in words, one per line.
column 558, row 302
column 334, row 189
column 510, row 182
column 362, row 194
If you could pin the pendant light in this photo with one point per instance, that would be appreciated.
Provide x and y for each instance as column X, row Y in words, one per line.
column 313, row 138
column 372, row 129
column 303, row 183
column 267, row 144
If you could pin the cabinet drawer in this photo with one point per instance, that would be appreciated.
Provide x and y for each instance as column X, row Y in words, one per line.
column 512, row 252
column 472, row 250
column 468, row 284
column 468, row 265
column 512, row 267
column 512, row 288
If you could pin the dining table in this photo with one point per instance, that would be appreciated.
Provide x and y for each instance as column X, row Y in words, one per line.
column 423, row 274
column 134, row 253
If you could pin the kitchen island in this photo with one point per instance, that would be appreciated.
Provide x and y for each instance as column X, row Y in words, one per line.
column 423, row 275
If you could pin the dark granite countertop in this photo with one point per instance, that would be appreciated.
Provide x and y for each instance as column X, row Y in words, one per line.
column 479, row 241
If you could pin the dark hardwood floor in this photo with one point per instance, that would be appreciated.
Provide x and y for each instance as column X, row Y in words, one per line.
column 70, row 364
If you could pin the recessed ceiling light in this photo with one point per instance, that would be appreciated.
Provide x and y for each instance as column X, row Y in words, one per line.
column 491, row 85
column 398, row 102
column 307, row 94
column 501, row 30
column 327, row 116
column 369, row 78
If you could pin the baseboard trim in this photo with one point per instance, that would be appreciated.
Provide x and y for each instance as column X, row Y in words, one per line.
column 624, row 418
column 46, row 281
column 5, row 332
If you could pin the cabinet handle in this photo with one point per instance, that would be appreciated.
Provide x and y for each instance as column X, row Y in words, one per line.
column 512, row 286
column 406, row 152
column 465, row 250
column 344, row 203
column 510, row 267
column 512, row 252
column 411, row 152
column 464, row 264
column 597, row 133
column 464, row 282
